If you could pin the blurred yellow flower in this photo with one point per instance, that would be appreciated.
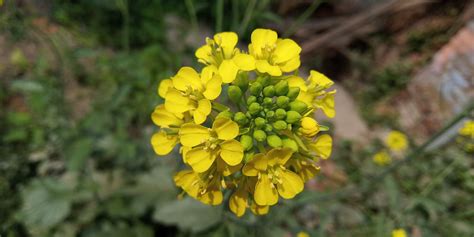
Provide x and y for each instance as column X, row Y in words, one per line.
column 467, row 129
column 399, row 233
column 396, row 141
column 302, row 234
column 382, row 158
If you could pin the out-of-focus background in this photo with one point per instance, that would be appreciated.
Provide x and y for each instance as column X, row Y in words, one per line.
column 78, row 82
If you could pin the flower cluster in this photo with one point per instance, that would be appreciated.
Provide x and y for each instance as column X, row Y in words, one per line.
column 397, row 143
column 245, row 122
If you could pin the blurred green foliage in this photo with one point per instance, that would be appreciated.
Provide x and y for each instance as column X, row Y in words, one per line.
column 76, row 159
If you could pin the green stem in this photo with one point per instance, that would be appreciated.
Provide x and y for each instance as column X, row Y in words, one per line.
column 247, row 16
column 192, row 14
column 219, row 15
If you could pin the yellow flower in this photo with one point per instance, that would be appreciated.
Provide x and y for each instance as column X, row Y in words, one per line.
column 313, row 92
column 467, row 129
column 396, row 141
column 192, row 92
column 203, row 187
column 322, row 146
column 209, row 144
column 399, row 233
column 273, row 55
column 382, row 158
column 273, row 177
column 304, row 167
column 309, row 127
column 302, row 234
column 221, row 53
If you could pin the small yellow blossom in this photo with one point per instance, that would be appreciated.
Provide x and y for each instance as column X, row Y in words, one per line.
column 396, row 141
column 273, row 55
column 399, row 233
column 382, row 158
column 302, row 234
column 467, row 129
column 200, row 186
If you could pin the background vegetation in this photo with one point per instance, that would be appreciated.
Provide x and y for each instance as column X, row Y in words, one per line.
column 78, row 84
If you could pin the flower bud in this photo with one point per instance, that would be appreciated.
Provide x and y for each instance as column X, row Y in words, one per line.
column 246, row 141
column 280, row 114
column 256, row 88
column 293, row 92
column 268, row 128
column 270, row 114
column 298, row 106
column 292, row 116
column 309, row 127
column 280, row 125
column 235, row 94
column 263, row 80
column 260, row 122
column 251, row 99
column 259, row 135
column 274, row 141
column 290, row 143
column 267, row 101
column 254, row 108
column 240, row 118
column 269, row 91
column 225, row 114
column 281, row 88
column 242, row 80
column 282, row 101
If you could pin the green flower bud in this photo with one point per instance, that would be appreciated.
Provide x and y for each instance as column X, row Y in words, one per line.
column 282, row 101
column 298, row 106
column 279, row 125
column 259, row 135
column 260, row 122
column 240, row 118
column 256, row 88
column 270, row 114
column 235, row 94
column 292, row 116
column 281, row 88
column 280, row 113
column 263, row 80
column 289, row 143
column 268, row 128
column 293, row 92
column 246, row 141
column 225, row 114
column 267, row 101
column 251, row 99
column 274, row 141
column 242, row 80
column 269, row 91
column 254, row 108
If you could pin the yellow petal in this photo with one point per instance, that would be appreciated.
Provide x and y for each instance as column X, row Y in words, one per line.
column 259, row 210
column 226, row 169
column 261, row 38
column 264, row 67
column 327, row 104
column 232, row 152
column 213, row 88
column 186, row 179
column 238, row 202
column 228, row 41
column 257, row 164
column 225, row 128
column 245, row 62
column 164, row 118
column 212, row 196
column 290, row 65
column 291, row 184
column 207, row 73
column 192, row 134
column 320, row 79
column 322, row 146
column 286, row 50
column 162, row 143
column 294, row 81
column 200, row 159
column 187, row 77
column 265, row 192
column 306, row 97
column 164, row 86
column 279, row 156
column 184, row 150
column 204, row 54
column 228, row 71
column 202, row 111
column 175, row 102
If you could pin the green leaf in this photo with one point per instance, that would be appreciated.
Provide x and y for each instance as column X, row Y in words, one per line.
column 188, row 214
